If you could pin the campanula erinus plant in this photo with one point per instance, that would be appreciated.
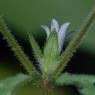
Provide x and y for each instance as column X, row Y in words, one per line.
column 52, row 60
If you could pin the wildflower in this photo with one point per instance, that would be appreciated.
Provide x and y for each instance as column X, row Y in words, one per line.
column 61, row 32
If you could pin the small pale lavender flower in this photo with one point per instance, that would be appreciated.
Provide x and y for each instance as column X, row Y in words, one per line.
column 61, row 32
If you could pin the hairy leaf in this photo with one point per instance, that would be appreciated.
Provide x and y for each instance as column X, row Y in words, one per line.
column 8, row 86
column 87, row 90
column 84, row 83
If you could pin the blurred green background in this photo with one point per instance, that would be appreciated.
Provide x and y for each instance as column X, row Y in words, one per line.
column 23, row 16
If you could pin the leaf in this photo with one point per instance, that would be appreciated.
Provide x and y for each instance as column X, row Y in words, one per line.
column 36, row 49
column 84, row 83
column 9, row 85
column 87, row 90
column 16, row 48
column 50, row 53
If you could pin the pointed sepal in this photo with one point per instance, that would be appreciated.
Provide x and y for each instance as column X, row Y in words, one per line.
column 50, row 53
column 36, row 49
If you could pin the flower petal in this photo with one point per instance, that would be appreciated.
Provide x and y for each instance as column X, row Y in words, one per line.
column 61, row 35
column 54, row 25
column 47, row 30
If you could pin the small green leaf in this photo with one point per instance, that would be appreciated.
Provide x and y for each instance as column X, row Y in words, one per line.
column 50, row 53
column 75, row 79
column 87, row 90
column 36, row 49
column 8, row 86
column 84, row 83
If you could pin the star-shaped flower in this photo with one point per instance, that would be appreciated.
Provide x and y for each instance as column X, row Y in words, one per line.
column 61, row 32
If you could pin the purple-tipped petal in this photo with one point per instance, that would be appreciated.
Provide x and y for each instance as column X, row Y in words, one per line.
column 54, row 25
column 47, row 30
column 61, row 35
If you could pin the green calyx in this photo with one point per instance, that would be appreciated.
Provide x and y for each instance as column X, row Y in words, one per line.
column 48, row 59
column 50, row 54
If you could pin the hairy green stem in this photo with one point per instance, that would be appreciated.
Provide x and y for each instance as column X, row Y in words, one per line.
column 74, row 44
column 16, row 48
